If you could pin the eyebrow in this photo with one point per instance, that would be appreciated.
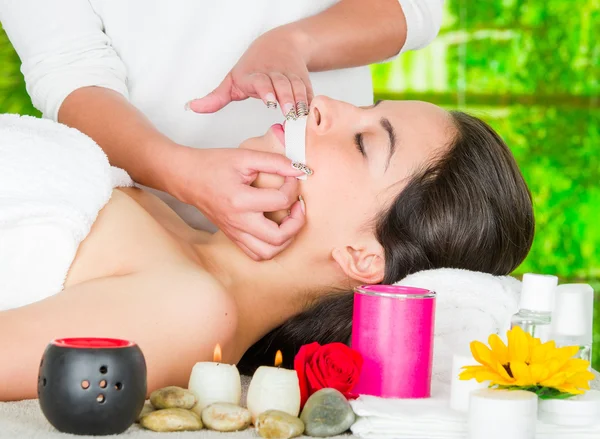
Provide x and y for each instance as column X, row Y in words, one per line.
column 387, row 126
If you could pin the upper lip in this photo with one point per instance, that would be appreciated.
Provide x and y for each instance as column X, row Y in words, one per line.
column 280, row 137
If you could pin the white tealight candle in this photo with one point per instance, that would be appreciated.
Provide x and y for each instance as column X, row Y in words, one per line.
column 274, row 388
column 501, row 414
column 215, row 382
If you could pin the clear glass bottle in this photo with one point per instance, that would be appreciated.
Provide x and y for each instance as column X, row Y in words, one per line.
column 536, row 305
column 538, row 324
column 572, row 321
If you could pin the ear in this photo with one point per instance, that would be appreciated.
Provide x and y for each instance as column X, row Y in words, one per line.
column 363, row 264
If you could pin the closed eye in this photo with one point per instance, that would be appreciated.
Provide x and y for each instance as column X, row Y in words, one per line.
column 358, row 140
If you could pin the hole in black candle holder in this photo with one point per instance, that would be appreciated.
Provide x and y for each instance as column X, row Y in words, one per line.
column 102, row 384
column 118, row 386
column 103, row 369
column 100, row 398
column 85, row 384
column 44, row 382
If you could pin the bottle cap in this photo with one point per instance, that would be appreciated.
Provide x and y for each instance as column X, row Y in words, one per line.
column 573, row 311
column 537, row 292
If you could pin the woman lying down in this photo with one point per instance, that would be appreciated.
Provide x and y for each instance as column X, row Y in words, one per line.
column 446, row 193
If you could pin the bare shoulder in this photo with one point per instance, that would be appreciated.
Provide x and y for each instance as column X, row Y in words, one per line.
column 134, row 232
column 193, row 303
column 208, row 303
column 183, row 313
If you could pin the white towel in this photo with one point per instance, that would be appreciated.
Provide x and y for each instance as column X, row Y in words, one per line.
column 469, row 306
column 53, row 182
column 431, row 418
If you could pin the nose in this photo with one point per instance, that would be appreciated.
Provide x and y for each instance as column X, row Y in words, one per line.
column 326, row 111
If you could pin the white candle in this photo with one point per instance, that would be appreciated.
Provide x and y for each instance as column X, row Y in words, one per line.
column 215, row 382
column 274, row 388
column 501, row 414
column 460, row 390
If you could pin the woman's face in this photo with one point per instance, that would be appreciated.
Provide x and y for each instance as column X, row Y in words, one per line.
column 362, row 157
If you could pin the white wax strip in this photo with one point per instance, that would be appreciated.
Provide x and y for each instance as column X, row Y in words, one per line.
column 295, row 141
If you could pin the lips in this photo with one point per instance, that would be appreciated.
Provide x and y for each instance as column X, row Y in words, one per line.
column 279, row 132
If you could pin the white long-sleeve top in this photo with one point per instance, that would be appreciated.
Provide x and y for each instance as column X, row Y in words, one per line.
column 159, row 54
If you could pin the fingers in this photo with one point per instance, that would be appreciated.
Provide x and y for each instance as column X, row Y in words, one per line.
column 246, row 250
column 253, row 162
column 290, row 189
column 263, row 87
column 293, row 223
column 300, row 95
column 261, row 249
column 267, row 200
column 291, row 91
column 215, row 100
column 284, row 93
column 265, row 246
column 268, row 231
column 310, row 94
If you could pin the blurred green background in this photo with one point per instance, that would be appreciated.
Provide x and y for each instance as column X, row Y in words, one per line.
column 532, row 70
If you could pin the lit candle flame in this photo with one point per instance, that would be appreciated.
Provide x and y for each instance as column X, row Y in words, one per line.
column 278, row 359
column 217, row 355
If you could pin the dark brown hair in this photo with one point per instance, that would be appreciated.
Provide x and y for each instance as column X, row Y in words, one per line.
column 468, row 209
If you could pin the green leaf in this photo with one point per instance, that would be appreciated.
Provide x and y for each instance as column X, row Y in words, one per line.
column 541, row 391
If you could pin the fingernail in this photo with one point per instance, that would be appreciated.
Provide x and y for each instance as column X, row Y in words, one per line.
column 290, row 112
column 301, row 109
column 271, row 102
column 302, row 204
column 302, row 167
column 187, row 106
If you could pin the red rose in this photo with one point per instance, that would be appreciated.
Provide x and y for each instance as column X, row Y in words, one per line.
column 333, row 365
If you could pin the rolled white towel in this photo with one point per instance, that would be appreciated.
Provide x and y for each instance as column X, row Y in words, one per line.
column 53, row 182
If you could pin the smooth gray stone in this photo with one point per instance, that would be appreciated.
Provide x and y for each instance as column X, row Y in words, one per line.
column 327, row 413
column 275, row 424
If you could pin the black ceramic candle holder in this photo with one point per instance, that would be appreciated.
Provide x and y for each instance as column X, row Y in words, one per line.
column 92, row 386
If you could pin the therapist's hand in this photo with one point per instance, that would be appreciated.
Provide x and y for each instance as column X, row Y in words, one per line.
column 218, row 182
column 272, row 69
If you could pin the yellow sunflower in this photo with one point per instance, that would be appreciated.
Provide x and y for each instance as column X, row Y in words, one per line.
column 527, row 363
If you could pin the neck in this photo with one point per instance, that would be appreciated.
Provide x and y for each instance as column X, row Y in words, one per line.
column 270, row 292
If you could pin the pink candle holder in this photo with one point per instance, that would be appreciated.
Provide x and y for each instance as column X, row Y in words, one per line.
column 392, row 327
